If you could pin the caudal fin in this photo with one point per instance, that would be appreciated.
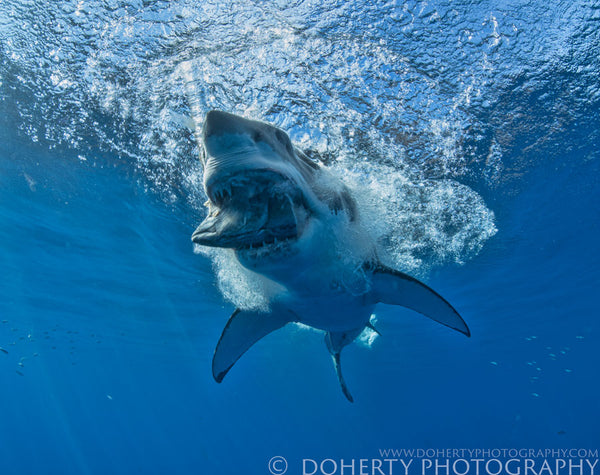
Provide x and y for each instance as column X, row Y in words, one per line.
column 338, row 370
column 335, row 342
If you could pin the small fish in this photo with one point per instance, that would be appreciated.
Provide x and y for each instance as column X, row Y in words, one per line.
column 3, row 350
column 19, row 373
column 30, row 181
column 561, row 432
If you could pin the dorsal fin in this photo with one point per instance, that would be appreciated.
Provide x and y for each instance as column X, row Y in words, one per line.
column 243, row 329
column 396, row 288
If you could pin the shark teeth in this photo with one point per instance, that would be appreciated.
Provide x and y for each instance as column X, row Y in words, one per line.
column 225, row 191
column 221, row 195
column 250, row 184
column 271, row 242
column 251, row 212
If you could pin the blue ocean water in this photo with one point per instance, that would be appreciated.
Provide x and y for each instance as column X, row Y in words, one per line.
column 469, row 130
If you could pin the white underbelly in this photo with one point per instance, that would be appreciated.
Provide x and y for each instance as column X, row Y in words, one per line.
column 338, row 312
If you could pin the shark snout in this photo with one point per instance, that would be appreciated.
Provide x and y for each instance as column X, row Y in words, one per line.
column 218, row 122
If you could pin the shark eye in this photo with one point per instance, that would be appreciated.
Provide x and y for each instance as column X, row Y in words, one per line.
column 285, row 141
column 281, row 137
column 257, row 137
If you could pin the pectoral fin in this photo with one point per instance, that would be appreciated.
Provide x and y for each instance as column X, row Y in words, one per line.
column 243, row 329
column 396, row 288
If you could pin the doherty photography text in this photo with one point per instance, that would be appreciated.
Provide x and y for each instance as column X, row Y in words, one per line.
column 514, row 461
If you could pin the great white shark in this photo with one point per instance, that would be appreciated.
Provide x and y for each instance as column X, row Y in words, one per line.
column 291, row 222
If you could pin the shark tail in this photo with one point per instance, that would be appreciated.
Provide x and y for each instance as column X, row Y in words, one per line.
column 335, row 342
column 338, row 370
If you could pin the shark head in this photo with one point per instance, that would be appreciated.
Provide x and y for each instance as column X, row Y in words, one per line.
column 262, row 191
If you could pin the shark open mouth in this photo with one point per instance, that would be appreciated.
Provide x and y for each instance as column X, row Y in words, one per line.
column 252, row 211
